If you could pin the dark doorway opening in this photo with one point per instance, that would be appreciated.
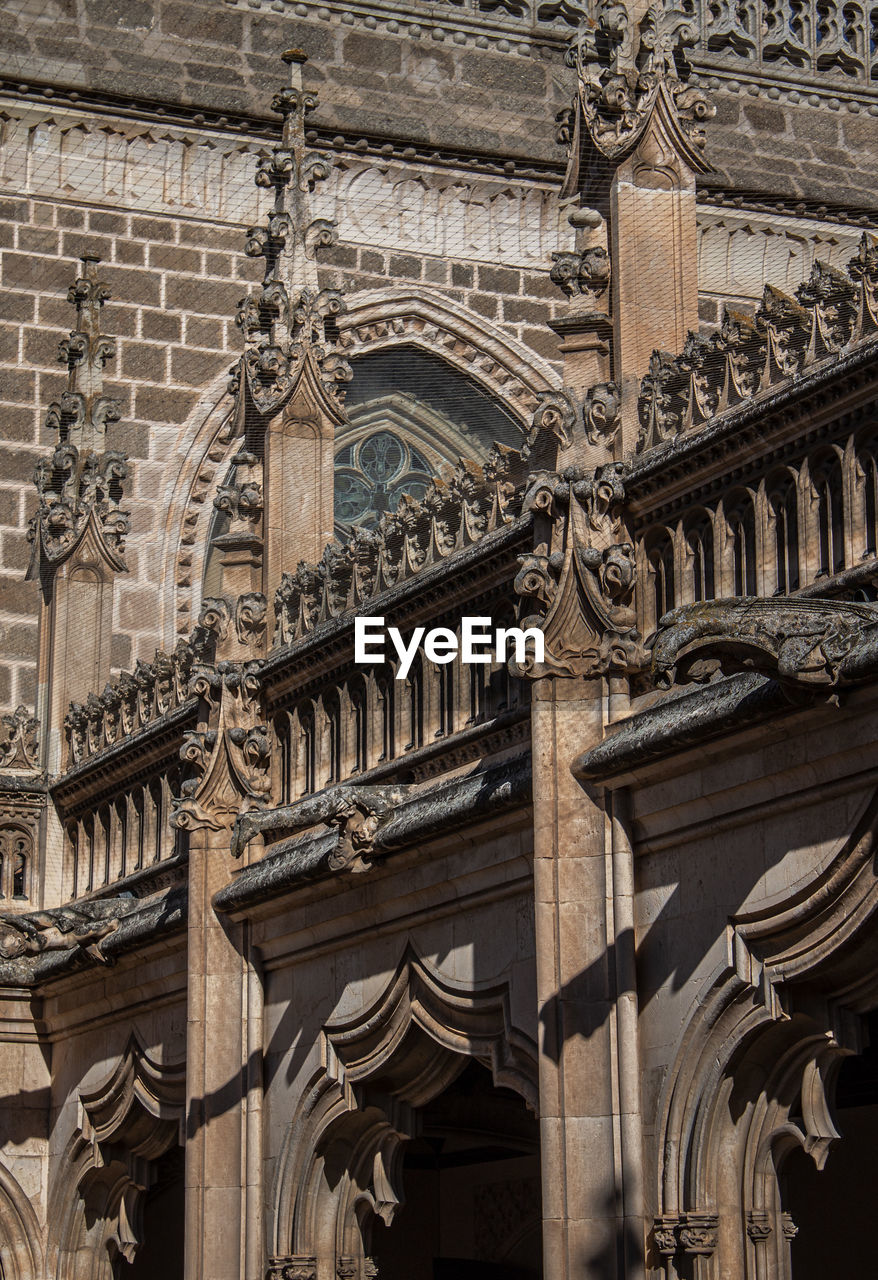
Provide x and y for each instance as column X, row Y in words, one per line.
column 160, row 1255
column 471, row 1178
column 832, row 1211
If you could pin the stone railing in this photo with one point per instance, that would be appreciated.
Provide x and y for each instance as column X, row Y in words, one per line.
column 456, row 512
column 812, row 39
column 831, row 312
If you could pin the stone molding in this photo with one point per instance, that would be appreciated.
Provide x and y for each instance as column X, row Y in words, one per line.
column 494, row 218
column 418, row 1008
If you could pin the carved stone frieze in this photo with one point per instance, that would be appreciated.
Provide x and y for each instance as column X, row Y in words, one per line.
column 291, row 1268
column 803, row 643
column 228, row 754
column 131, row 702
column 831, row 312
column 19, row 747
column 578, row 584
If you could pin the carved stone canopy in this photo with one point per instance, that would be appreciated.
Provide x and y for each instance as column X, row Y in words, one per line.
column 580, row 578
column 803, row 643
column 629, row 73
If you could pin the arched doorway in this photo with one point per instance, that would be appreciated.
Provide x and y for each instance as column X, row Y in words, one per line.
column 471, row 1187
column 162, row 1231
column 829, row 1213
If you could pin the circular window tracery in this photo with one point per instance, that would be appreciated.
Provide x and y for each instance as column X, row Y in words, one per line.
column 372, row 475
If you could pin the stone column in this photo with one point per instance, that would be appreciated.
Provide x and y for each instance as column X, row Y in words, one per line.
column 581, row 580
column 229, row 756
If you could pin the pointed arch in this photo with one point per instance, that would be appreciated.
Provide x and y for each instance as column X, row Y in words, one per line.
column 754, row 1069
column 393, row 1056
column 21, row 1256
column 126, row 1124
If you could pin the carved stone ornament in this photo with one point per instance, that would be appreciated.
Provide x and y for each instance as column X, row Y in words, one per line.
column 803, row 643
column 76, row 492
column 19, row 748
column 356, row 813
column 80, row 485
column 229, row 753
column 579, row 581
column 831, row 312
column 629, row 73
column 287, row 321
column 292, row 1268
column 698, row 1235
column 568, row 417
column 79, row 926
column 584, row 276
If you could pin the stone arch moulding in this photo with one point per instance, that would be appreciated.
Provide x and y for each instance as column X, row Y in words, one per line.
column 407, row 1046
column 21, row 1256
column 375, row 320
column 755, row 1066
column 125, row 1125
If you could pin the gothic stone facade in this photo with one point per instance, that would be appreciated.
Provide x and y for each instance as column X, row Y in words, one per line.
column 556, row 965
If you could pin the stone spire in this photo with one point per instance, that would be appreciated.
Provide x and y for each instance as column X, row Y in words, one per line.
column 636, row 138
column 284, row 323
column 80, row 486
column 632, row 75
column 289, row 383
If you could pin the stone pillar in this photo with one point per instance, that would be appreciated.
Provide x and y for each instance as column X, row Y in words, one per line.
column 635, row 137
column 229, row 756
column 580, row 580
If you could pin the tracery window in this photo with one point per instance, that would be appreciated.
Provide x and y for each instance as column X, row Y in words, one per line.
column 411, row 417
column 16, row 862
column 741, row 519
column 660, row 554
column 828, row 486
column 699, row 538
column 373, row 474
column 783, row 509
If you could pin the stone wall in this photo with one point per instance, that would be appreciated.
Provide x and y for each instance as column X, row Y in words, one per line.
column 482, row 244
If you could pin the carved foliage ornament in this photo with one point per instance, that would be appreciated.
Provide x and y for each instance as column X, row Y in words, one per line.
column 564, row 415
column 77, row 490
column 228, row 754
column 18, row 740
column 832, row 311
column 579, row 581
column 625, row 73
column 800, row 642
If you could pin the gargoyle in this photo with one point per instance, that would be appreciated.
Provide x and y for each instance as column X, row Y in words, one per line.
column 355, row 812
column 800, row 642
column 82, row 925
